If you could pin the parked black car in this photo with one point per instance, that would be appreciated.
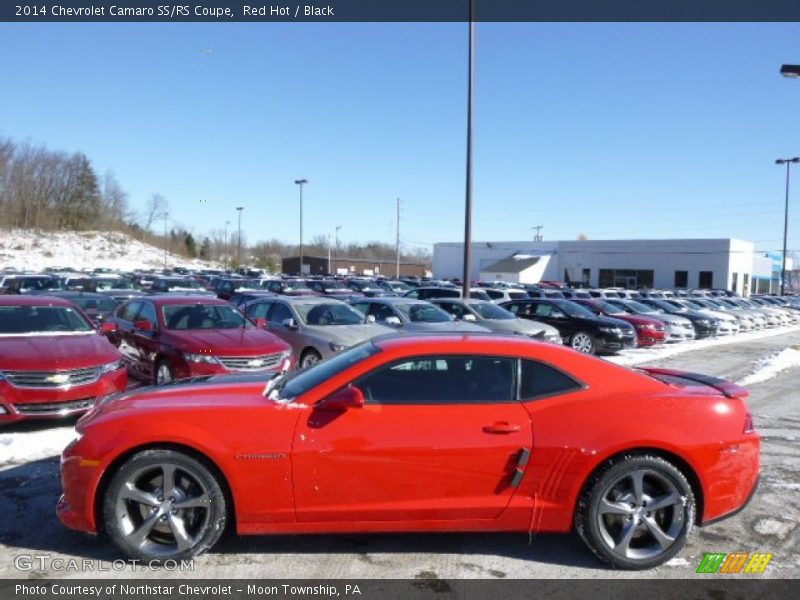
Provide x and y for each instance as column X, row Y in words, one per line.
column 28, row 284
column 98, row 307
column 579, row 327
column 367, row 288
column 704, row 326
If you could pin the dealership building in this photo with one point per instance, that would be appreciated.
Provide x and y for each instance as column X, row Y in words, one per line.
column 671, row 263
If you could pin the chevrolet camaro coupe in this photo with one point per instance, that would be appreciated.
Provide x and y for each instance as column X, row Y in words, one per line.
column 444, row 432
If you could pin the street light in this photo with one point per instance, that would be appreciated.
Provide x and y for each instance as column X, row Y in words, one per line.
column 336, row 246
column 301, row 183
column 787, row 162
column 166, row 239
column 239, row 239
column 792, row 71
column 225, row 255
column 468, row 195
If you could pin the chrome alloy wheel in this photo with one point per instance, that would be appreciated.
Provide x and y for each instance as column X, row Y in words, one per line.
column 163, row 374
column 582, row 342
column 163, row 509
column 309, row 360
column 641, row 514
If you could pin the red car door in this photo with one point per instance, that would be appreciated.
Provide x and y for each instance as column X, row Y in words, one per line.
column 438, row 438
column 146, row 341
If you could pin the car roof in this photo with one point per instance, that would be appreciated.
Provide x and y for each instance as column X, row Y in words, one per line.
column 76, row 294
column 308, row 299
column 33, row 300
column 392, row 300
column 166, row 299
column 478, row 342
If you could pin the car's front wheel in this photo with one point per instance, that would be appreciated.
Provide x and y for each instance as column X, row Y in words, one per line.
column 637, row 512
column 583, row 342
column 309, row 358
column 164, row 505
column 162, row 373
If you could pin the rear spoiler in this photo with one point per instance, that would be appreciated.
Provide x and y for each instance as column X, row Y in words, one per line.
column 726, row 388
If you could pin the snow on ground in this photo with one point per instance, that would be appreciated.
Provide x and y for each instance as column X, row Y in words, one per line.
column 768, row 367
column 644, row 355
column 26, row 446
column 33, row 251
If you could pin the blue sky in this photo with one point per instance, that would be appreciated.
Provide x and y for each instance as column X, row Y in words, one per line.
column 612, row 130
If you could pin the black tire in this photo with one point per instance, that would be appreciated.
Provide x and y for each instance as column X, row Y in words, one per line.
column 309, row 356
column 583, row 342
column 162, row 363
column 603, row 525
column 195, row 483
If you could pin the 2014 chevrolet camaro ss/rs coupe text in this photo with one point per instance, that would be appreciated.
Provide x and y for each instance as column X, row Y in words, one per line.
column 468, row 432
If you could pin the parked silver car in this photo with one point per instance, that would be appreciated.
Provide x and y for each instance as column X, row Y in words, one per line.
column 410, row 315
column 315, row 327
column 498, row 319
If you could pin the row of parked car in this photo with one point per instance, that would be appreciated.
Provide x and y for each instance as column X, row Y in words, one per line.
column 71, row 339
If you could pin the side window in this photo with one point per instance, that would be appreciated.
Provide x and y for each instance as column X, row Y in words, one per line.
column 543, row 310
column 538, row 380
column 258, row 310
column 413, row 294
column 127, row 312
column 442, row 380
column 514, row 308
column 148, row 313
column 494, row 294
column 381, row 311
column 279, row 313
column 362, row 307
column 454, row 309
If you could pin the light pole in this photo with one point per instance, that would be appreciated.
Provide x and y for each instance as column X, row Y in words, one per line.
column 787, row 162
column 239, row 239
column 468, row 199
column 225, row 247
column 301, row 183
column 166, row 239
column 336, row 246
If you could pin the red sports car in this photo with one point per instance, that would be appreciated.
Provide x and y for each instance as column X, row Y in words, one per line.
column 470, row 432
column 53, row 362
column 649, row 332
column 174, row 337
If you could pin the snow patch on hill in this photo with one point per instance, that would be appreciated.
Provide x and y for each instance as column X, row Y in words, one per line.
column 34, row 251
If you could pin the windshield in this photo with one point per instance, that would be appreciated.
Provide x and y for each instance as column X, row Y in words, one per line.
column 103, row 304
column 22, row 320
column 487, row 310
column 398, row 286
column 328, row 314
column 182, row 317
column 639, row 308
column 423, row 313
column 332, row 285
column 295, row 285
column 38, row 283
column 116, row 283
column 611, row 309
column 298, row 383
column 179, row 284
column 575, row 310
column 693, row 305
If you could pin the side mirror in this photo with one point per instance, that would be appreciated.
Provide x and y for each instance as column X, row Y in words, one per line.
column 469, row 317
column 143, row 325
column 261, row 322
column 393, row 321
column 108, row 327
column 348, row 397
column 289, row 324
column 370, row 319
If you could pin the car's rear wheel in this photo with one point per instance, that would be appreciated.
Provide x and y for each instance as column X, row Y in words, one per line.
column 164, row 505
column 162, row 372
column 583, row 342
column 309, row 358
column 636, row 513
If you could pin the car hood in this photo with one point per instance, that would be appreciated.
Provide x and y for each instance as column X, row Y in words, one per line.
column 524, row 326
column 227, row 342
column 55, row 352
column 458, row 326
column 348, row 335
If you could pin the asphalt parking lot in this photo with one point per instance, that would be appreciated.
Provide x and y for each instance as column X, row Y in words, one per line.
column 29, row 528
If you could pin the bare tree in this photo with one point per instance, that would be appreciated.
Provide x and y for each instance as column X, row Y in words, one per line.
column 156, row 207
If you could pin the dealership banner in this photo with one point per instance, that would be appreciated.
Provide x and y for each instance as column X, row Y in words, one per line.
column 400, row 10
column 424, row 587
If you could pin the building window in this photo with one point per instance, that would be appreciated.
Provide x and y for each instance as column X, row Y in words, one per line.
column 586, row 277
column 746, row 283
column 606, row 278
column 626, row 278
column 735, row 282
column 681, row 279
column 705, row 280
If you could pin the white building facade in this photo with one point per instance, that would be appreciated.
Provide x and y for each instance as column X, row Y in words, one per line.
column 679, row 263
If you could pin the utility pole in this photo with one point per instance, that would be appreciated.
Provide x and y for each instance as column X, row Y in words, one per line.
column 166, row 239
column 239, row 239
column 301, row 183
column 788, row 162
column 538, row 236
column 336, row 247
column 225, row 248
column 397, row 243
column 468, row 199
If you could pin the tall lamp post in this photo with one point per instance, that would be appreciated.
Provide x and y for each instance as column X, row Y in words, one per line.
column 166, row 239
column 787, row 162
column 239, row 239
column 468, row 199
column 300, row 183
column 225, row 247
column 336, row 247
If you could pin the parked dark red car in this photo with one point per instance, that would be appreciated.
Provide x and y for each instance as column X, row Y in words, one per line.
column 173, row 337
column 53, row 361
column 649, row 332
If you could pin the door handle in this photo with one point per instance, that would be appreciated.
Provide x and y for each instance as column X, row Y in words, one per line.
column 501, row 427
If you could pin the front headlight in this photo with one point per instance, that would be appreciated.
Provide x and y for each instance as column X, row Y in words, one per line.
column 705, row 322
column 107, row 368
column 337, row 347
column 614, row 330
column 201, row 358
